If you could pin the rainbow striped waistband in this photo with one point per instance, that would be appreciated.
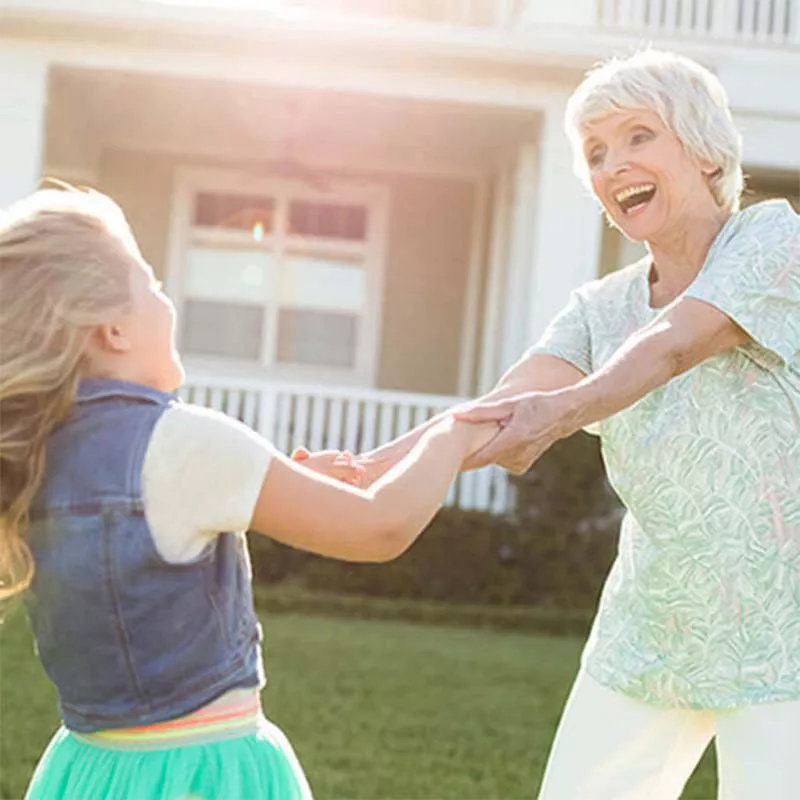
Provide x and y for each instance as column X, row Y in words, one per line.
column 235, row 713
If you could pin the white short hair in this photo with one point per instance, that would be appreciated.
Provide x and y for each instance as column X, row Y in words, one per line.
column 690, row 100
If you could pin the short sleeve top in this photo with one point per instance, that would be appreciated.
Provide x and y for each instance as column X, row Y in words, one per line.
column 702, row 606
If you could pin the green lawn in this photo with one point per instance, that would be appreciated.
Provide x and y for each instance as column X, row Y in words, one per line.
column 376, row 709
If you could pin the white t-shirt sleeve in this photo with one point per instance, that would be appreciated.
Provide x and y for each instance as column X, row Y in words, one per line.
column 202, row 475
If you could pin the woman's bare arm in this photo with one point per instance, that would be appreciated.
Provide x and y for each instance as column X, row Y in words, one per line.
column 686, row 333
column 531, row 373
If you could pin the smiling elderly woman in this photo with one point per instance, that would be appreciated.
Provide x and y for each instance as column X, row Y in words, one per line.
column 689, row 360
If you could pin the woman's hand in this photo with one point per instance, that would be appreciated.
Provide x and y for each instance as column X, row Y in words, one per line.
column 340, row 466
column 530, row 423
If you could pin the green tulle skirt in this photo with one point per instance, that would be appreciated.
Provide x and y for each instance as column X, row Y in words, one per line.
column 257, row 766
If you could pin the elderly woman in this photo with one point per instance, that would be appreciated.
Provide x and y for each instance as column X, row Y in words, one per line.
column 690, row 362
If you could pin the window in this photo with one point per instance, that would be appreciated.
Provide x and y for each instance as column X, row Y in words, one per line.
column 283, row 278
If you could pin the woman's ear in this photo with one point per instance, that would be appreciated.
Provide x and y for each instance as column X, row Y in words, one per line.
column 709, row 169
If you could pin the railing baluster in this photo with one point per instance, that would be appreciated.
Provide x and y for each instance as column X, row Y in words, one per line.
column 702, row 23
column 686, row 9
column 386, row 423
column 452, row 494
column 420, row 414
column 669, row 15
column 747, row 19
column 483, row 489
column 333, row 430
column 199, row 396
column 403, row 419
column 780, row 27
column 639, row 13
column 300, row 421
column 368, row 431
column 215, row 399
column 625, row 16
column 466, row 490
column 249, row 408
column 504, row 497
column 317, row 436
column 267, row 421
column 233, row 403
column 351, row 442
column 608, row 13
column 763, row 27
column 283, row 424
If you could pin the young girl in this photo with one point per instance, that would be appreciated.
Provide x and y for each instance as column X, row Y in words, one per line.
column 114, row 502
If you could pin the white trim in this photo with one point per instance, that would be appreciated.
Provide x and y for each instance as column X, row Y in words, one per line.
column 488, row 372
column 190, row 181
column 417, row 82
column 541, row 41
column 213, row 379
column 469, row 326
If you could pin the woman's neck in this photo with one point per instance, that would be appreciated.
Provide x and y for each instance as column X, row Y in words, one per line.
column 680, row 255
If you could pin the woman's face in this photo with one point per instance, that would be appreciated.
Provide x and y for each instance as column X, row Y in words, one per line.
column 648, row 185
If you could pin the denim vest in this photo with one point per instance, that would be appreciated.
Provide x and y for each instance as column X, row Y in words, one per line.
column 126, row 637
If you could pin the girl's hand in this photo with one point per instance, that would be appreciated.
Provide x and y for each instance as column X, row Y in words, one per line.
column 477, row 435
column 374, row 467
column 340, row 466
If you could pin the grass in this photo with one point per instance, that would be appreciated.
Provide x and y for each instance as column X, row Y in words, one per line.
column 377, row 710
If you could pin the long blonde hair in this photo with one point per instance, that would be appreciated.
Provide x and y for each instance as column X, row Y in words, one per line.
column 65, row 261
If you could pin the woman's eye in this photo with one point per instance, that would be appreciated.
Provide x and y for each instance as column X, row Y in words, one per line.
column 595, row 158
column 640, row 136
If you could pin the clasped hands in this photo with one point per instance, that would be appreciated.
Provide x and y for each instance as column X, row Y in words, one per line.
column 529, row 424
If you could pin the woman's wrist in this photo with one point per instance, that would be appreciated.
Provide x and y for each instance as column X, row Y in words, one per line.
column 572, row 410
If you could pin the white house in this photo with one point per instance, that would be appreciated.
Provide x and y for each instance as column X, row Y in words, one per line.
column 362, row 208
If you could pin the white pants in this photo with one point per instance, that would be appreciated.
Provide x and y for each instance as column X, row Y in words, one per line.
column 611, row 747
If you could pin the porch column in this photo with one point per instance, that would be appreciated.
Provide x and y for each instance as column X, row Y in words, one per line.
column 567, row 226
column 23, row 99
column 496, row 269
column 515, row 312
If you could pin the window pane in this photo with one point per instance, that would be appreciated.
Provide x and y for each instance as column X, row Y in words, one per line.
column 222, row 329
column 310, row 282
column 234, row 211
column 235, row 275
column 328, row 220
column 313, row 337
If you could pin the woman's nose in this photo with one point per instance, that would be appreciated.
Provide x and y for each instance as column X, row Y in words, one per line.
column 615, row 162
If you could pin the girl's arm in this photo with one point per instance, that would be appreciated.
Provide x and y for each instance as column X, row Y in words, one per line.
column 313, row 512
column 531, row 373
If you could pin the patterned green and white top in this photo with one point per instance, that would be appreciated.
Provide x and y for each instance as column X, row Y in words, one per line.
column 702, row 606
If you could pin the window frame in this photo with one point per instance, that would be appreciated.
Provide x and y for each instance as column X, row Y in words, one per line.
column 191, row 182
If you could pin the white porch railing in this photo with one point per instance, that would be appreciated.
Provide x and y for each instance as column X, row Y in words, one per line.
column 758, row 21
column 346, row 419
column 774, row 22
